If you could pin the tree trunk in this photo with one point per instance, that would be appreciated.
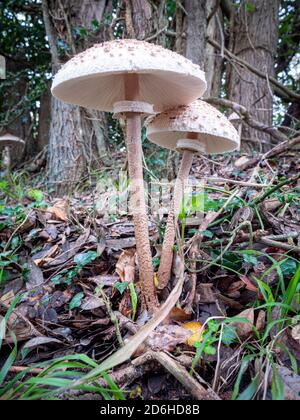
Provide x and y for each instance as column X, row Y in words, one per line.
column 196, row 31
column 214, row 62
column 254, row 39
column 44, row 120
column 72, row 128
column 197, row 28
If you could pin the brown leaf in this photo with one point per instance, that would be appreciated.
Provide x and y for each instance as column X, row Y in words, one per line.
column 249, row 284
column 291, row 382
column 261, row 321
column 244, row 329
column 206, row 293
column 60, row 210
column 36, row 277
column 126, row 265
column 179, row 315
column 168, row 337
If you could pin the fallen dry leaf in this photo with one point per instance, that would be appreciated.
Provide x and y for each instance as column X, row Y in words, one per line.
column 291, row 382
column 196, row 329
column 126, row 265
column 168, row 337
column 59, row 210
column 244, row 329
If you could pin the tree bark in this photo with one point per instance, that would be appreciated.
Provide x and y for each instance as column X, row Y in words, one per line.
column 214, row 62
column 254, row 39
column 196, row 31
column 71, row 127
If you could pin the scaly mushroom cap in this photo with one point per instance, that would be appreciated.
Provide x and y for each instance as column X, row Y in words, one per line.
column 95, row 77
column 214, row 133
column 10, row 140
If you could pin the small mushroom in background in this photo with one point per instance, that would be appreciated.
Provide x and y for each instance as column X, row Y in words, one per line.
column 196, row 128
column 236, row 121
column 9, row 142
column 132, row 79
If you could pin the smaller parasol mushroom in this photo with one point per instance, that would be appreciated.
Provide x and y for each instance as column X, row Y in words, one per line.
column 195, row 128
column 9, row 141
column 236, row 121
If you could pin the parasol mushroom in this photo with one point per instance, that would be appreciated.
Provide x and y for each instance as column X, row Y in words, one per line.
column 196, row 128
column 9, row 141
column 236, row 121
column 132, row 79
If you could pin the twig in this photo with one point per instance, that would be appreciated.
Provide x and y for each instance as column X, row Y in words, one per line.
column 230, row 242
column 280, row 89
column 247, row 117
column 276, row 244
column 31, row 371
column 266, row 194
column 180, row 373
column 113, row 317
column 241, row 183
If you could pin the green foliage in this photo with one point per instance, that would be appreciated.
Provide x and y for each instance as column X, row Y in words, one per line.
column 76, row 300
column 24, row 46
column 81, row 260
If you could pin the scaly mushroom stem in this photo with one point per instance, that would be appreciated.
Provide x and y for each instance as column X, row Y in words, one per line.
column 138, row 208
column 165, row 266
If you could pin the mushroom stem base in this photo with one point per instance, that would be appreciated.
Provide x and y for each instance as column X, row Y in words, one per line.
column 138, row 209
column 165, row 266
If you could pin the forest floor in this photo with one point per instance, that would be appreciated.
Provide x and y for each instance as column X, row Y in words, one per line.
column 69, row 295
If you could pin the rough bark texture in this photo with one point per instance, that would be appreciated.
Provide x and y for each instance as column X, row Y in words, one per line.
column 213, row 58
column 65, row 157
column 138, row 18
column 44, row 120
column 196, row 31
column 138, row 210
column 254, row 39
column 76, row 136
column 165, row 266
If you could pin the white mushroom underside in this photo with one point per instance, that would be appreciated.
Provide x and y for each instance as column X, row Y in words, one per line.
column 94, row 78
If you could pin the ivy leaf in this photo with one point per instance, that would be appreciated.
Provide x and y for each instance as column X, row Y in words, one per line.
column 76, row 300
column 121, row 286
column 288, row 267
column 85, row 258
column 249, row 259
column 250, row 7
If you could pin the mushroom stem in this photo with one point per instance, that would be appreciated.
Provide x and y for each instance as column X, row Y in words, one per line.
column 6, row 159
column 165, row 266
column 138, row 209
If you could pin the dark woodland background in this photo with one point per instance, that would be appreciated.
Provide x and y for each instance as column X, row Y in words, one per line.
column 69, row 283
column 248, row 49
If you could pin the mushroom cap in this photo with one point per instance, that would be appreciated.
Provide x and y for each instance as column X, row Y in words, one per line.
column 214, row 132
column 10, row 140
column 95, row 77
column 234, row 117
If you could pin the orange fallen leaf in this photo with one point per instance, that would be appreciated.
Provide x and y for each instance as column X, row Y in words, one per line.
column 196, row 329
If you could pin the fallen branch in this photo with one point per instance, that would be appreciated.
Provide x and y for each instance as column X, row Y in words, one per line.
column 279, row 88
column 266, row 194
column 180, row 373
column 247, row 117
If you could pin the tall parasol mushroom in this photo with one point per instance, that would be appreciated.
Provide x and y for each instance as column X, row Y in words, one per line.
column 131, row 78
column 196, row 128
column 9, row 141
